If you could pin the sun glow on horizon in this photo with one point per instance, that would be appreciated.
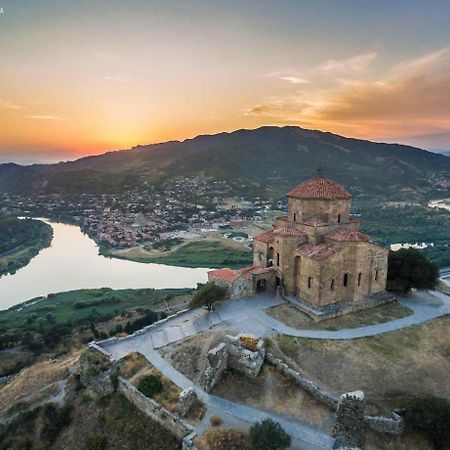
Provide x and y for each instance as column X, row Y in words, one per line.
column 86, row 78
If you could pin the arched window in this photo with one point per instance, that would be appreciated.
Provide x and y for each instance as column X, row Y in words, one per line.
column 295, row 215
column 309, row 282
column 339, row 218
column 376, row 274
column 359, row 279
column 278, row 259
column 332, row 287
column 345, row 279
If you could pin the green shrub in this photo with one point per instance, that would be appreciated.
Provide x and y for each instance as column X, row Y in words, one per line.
column 268, row 435
column 54, row 421
column 97, row 443
column 150, row 385
column 431, row 416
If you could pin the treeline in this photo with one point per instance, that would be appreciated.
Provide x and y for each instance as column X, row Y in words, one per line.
column 20, row 241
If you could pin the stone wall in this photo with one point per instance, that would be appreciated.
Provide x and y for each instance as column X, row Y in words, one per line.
column 98, row 372
column 217, row 363
column 349, row 426
column 154, row 410
column 235, row 353
column 321, row 394
column 391, row 425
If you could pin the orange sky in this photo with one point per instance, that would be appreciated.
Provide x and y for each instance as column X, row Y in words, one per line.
column 85, row 77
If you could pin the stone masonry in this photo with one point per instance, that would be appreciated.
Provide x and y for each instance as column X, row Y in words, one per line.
column 243, row 353
column 185, row 401
column 350, row 421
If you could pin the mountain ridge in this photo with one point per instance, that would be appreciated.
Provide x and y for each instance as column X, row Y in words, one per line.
column 271, row 158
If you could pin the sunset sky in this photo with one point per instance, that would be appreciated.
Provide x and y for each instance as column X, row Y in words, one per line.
column 82, row 77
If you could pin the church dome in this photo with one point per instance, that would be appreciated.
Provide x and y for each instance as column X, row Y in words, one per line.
column 320, row 188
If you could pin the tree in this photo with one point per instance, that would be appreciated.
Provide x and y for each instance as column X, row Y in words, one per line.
column 431, row 416
column 408, row 268
column 207, row 295
column 269, row 435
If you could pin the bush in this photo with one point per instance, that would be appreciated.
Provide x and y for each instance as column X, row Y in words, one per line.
column 97, row 443
column 224, row 439
column 150, row 385
column 268, row 435
column 55, row 420
column 216, row 421
column 207, row 295
column 431, row 416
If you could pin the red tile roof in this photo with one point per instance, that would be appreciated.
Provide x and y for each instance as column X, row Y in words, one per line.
column 320, row 188
column 291, row 232
column 319, row 251
column 266, row 237
column 228, row 275
column 344, row 235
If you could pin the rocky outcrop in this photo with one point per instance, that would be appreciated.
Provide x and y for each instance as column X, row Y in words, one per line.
column 98, row 373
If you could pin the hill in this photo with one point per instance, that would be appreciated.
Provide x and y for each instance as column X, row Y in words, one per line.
column 268, row 160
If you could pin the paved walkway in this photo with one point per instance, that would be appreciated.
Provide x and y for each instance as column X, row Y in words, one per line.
column 249, row 316
column 235, row 415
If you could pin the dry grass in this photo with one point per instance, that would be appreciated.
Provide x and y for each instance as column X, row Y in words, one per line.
column 291, row 316
column 223, row 439
column 407, row 441
column 189, row 355
column 37, row 382
column 390, row 368
column 273, row 391
column 136, row 367
column 132, row 364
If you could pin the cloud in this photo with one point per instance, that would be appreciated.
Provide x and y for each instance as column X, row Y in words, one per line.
column 45, row 117
column 9, row 105
column 355, row 64
column 119, row 79
column 413, row 97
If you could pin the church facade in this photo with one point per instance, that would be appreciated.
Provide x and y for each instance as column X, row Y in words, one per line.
column 316, row 255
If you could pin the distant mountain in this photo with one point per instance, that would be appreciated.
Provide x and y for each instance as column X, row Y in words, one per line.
column 446, row 153
column 269, row 160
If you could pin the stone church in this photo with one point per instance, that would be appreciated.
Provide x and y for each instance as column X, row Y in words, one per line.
column 316, row 256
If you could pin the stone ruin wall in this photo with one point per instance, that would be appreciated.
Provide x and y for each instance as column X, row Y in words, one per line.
column 390, row 425
column 99, row 373
column 233, row 353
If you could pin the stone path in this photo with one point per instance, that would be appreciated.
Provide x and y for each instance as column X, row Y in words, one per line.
column 304, row 436
column 248, row 316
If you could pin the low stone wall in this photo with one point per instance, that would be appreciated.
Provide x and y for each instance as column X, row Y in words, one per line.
column 316, row 391
column 154, row 410
column 142, row 330
column 391, row 425
column 150, row 407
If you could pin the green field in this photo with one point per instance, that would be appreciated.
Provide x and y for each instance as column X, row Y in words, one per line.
column 211, row 254
column 74, row 310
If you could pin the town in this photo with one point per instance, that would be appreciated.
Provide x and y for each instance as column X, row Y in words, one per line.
column 154, row 215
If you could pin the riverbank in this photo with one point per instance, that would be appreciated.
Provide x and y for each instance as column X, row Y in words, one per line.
column 22, row 240
column 60, row 321
column 200, row 253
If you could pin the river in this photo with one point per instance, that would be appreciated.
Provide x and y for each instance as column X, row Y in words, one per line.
column 73, row 262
